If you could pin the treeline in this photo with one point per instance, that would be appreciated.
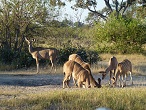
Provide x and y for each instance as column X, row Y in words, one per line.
column 33, row 19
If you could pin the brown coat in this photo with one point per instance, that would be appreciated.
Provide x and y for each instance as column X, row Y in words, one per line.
column 78, row 59
column 122, row 70
column 79, row 74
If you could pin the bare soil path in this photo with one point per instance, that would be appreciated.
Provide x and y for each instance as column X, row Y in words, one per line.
column 28, row 81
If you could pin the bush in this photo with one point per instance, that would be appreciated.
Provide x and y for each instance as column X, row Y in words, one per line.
column 6, row 56
column 24, row 59
column 87, row 56
column 122, row 35
column 16, row 59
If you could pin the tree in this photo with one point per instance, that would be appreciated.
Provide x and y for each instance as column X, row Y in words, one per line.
column 120, row 35
column 19, row 18
column 118, row 6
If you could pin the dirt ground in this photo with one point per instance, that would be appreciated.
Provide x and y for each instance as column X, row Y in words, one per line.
column 29, row 81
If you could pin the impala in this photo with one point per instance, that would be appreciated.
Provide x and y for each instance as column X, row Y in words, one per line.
column 111, row 67
column 78, row 59
column 42, row 53
column 79, row 74
column 122, row 70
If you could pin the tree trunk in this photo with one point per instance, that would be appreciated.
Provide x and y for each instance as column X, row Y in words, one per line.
column 17, row 33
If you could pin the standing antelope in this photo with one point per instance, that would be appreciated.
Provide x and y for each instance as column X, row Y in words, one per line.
column 122, row 70
column 42, row 53
column 111, row 67
column 78, row 59
column 72, row 68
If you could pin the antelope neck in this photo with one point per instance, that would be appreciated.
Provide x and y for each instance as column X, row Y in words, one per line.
column 30, row 49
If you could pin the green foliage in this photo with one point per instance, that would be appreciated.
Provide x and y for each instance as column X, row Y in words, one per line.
column 122, row 35
column 24, row 58
column 19, row 18
column 38, row 19
column 15, row 58
column 86, row 55
column 6, row 56
column 64, row 54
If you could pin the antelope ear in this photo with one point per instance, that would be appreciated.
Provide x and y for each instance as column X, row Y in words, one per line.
column 114, row 78
column 26, row 40
column 33, row 40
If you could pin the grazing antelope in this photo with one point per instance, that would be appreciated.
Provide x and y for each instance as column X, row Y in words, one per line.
column 79, row 74
column 42, row 53
column 111, row 67
column 78, row 59
column 122, row 70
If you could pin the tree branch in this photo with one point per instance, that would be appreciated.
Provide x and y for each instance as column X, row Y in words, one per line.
column 88, row 4
column 108, row 5
column 96, row 12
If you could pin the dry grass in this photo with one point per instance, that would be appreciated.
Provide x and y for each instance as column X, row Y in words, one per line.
column 77, row 99
column 56, row 98
column 138, row 62
column 135, row 58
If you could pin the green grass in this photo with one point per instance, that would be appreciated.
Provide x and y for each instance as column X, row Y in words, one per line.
column 77, row 99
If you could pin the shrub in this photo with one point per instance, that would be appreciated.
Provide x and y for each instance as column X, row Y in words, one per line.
column 24, row 59
column 122, row 35
column 6, row 56
column 15, row 59
column 87, row 56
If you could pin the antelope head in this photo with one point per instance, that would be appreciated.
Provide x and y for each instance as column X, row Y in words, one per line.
column 29, row 42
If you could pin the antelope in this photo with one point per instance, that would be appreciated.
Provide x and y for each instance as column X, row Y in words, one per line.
column 111, row 67
column 122, row 70
column 78, row 59
column 72, row 68
column 42, row 53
